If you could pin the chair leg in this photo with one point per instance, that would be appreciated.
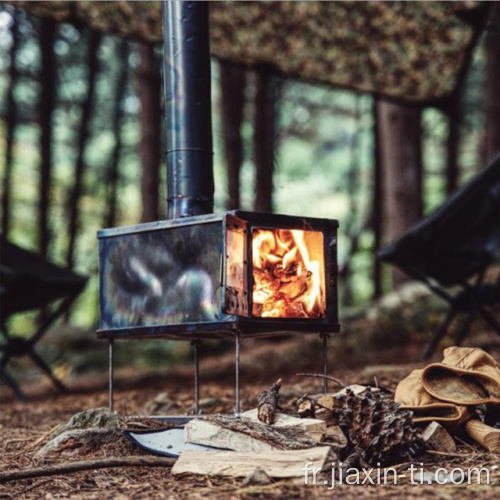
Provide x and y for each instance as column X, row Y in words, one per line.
column 440, row 333
column 464, row 331
column 48, row 371
column 6, row 377
column 490, row 319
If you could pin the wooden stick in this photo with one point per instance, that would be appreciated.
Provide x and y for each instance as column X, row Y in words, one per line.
column 268, row 402
column 70, row 467
column 320, row 375
column 486, row 436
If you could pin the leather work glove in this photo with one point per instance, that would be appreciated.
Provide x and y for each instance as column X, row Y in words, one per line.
column 446, row 392
column 411, row 394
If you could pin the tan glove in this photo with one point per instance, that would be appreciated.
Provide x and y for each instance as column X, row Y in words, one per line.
column 410, row 393
column 467, row 376
column 444, row 391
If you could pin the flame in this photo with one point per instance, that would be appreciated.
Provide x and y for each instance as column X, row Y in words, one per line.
column 288, row 274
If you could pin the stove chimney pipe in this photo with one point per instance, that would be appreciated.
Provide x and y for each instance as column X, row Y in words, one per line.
column 188, row 120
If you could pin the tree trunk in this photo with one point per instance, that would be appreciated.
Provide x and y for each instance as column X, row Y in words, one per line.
column 232, row 82
column 454, row 114
column 150, row 118
column 264, row 138
column 400, row 148
column 46, row 108
column 11, row 124
column 83, row 135
column 113, row 171
column 352, row 226
column 377, row 205
column 492, row 95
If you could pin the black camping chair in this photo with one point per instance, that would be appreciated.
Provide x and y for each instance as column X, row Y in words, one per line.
column 27, row 281
column 453, row 248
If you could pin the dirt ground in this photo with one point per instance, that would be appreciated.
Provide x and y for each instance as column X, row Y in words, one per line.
column 24, row 427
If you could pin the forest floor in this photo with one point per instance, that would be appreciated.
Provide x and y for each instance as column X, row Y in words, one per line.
column 24, row 427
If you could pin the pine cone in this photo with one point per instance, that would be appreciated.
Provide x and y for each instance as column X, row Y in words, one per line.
column 378, row 431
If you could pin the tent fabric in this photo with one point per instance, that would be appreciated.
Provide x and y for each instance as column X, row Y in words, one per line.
column 411, row 51
column 458, row 240
column 27, row 281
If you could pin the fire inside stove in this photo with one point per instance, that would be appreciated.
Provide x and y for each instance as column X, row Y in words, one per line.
column 288, row 273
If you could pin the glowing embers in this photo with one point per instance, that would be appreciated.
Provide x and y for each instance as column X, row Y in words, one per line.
column 288, row 274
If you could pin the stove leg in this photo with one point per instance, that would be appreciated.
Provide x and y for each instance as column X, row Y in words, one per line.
column 237, row 374
column 111, row 376
column 325, row 337
column 196, row 377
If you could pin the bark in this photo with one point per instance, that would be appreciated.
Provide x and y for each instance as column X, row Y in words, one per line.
column 46, row 108
column 113, row 171
column 453, row 113
column 232, row 82
column 264, row 138
column 377, row 205
column 149, row 91
column 400, row 149
column 492, row 94
column 268, row 403
column 11, row 125
column 281, row 438
column 83, row 135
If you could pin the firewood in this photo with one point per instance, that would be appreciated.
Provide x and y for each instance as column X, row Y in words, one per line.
column 240, row 434
column 277, row 464
column 268, row 402
column 437, row 438
column 487, row 436
column 316, row 428
column 70, row 467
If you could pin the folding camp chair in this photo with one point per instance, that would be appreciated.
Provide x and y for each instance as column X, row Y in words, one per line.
column 27, row 282
column 451, row 250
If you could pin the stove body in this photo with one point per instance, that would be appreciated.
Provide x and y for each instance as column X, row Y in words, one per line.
column 216, row 276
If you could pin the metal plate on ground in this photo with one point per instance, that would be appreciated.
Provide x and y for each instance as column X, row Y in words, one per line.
column 168, row 443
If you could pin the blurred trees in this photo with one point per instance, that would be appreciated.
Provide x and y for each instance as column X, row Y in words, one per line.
column 87, row 106
column 11, row 110
column 232, row 85
column 82, row 148
column 267, row 88
column 46, row 108
column 149, row 91
column 401, row 161
column 492, row 90
column 113, row 172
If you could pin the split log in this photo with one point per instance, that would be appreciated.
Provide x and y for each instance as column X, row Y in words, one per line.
column 70, row 467
column 485, row 435
column 316, row 428
column 277, row 464
column 437, row 438
column 242, row 435
column 268, row 402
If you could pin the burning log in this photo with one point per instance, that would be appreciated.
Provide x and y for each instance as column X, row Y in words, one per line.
column 288, row 274
column 268, row 402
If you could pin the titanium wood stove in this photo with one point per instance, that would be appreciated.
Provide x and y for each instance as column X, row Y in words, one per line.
column 203, row 276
